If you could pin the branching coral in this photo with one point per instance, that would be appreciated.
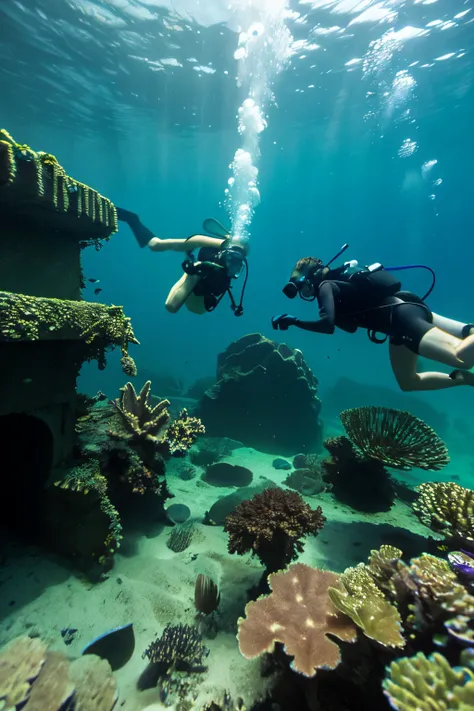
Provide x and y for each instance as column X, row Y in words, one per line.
column 448, row 508
column 179, row 647
column 182, row 433
column 31, row 318
column 357, row 596
column 429, row 685
column 394, row 437
column 140, row 421
column 299, row 614
column 271, row 526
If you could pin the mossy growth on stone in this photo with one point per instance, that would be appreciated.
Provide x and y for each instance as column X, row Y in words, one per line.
column 34, row 179
column 29, row 318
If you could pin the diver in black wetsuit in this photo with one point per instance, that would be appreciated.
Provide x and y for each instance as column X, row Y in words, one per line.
column 206, row 279
column 371, row 298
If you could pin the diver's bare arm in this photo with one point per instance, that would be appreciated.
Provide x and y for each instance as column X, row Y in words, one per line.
column 184, row 245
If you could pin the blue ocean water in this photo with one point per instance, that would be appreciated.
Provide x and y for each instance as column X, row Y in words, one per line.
column 368, row 142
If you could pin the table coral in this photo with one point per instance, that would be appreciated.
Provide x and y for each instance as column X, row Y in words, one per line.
column 299, row 614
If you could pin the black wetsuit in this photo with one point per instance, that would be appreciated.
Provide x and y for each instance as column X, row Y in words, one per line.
column 373, row 302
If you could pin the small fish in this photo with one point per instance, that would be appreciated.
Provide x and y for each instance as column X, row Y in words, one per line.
column 97, row 291
column 94, row 281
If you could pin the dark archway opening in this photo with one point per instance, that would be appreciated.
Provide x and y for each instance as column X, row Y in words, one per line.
column 26, row 446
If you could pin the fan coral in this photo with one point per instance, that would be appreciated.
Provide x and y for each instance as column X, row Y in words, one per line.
column 271, row 526
column 299, row 614
column 179, row 647
column 394, row 437
column 182, row 433
column 140, row 422
column 428, row 684
column 448, row 508
column 357, row 596
column 360, row 482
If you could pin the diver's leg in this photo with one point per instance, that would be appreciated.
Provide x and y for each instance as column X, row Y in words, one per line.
column 404, row 362
column 460, row 329
column 141, row 233
column 180, row 292
column 444, row 348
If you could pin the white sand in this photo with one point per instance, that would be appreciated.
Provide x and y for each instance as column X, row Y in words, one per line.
column 152, row 586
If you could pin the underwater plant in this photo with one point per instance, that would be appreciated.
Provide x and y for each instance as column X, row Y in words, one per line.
column 271, row 526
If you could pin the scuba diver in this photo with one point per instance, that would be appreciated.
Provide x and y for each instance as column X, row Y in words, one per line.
column 352, row 297
column 207, row 279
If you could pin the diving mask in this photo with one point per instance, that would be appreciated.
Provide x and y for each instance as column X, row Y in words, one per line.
column 234, row 261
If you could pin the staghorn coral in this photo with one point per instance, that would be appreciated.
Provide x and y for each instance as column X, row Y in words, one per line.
column 48, row 681
column 357, row 596
column 447, row 508
column 140, row 422
column 394, row 437
column 32, row 318
column 355, row 480
column 271, row 526
column 182, row 433
column 179, row 647
column 428, row 684
column 299, row 614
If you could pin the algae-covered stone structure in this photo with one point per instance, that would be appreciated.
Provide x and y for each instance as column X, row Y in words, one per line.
column 46, row 330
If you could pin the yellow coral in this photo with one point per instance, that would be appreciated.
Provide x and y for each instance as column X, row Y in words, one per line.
column 358, row 597
column 182, row 433
column 448, row 508
column 422, row 684
column 67, row 193
column 31, row 318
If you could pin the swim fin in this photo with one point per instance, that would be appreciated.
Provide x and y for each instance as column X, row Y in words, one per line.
column 142, row 234
column 467, row 376
column 215, row 228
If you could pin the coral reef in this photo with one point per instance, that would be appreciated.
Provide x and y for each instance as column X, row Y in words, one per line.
column 447, row 508
column 94, row 326
column 355, row 480
column 33, row 677
column 271, row 526
column 429, row 684
column 299, row 614
column 396, row 438
column 258, row 383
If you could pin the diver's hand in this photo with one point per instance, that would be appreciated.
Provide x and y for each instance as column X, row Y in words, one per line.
column 283, row 321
